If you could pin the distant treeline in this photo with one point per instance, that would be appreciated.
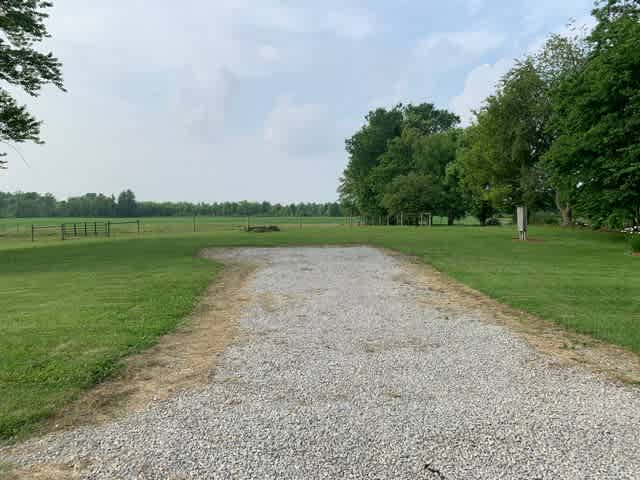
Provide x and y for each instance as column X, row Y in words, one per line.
column 32, row 204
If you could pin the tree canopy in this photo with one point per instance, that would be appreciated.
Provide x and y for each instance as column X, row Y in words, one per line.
column 22, row 23
column 392, row 143
column 559, row 132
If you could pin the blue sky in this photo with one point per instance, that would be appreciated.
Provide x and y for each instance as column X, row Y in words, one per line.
column 205, row 100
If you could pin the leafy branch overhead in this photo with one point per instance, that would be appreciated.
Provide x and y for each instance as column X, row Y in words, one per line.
column 22, row 23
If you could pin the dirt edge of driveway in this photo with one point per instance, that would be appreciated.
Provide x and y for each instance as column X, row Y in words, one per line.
column 182, row 359
column 561, row 346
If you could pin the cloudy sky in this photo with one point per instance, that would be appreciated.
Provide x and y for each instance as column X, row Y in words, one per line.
column 205, row 100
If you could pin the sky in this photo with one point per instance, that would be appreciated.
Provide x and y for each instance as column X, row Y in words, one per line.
column 230, row 100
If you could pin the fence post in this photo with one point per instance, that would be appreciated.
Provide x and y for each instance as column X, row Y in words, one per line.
column 85, row 229
column 62, row 231
column 194, row 223
column 248, row 222
column 138, row 223
column 108, row 225
column 300, row 222
column 32, row 233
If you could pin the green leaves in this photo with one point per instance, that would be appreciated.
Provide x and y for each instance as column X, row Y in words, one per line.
column 390, row 145
column 21, row 65
column 597, row 117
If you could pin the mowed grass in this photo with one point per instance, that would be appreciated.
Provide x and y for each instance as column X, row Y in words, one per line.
column 72, row 310
column 15, row 230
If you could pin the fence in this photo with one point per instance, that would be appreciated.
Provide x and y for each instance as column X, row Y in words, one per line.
column 66, row 231
column 104, row 228
column 402, row 219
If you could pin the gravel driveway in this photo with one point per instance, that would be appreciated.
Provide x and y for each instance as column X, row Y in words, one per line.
column 342, row 370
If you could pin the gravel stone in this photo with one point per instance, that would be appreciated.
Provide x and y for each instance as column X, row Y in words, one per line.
column 340, row 373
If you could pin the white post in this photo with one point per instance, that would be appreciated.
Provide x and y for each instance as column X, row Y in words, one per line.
column 522, row 222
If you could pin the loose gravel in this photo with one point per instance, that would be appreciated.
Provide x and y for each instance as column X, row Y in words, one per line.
column 340, row 372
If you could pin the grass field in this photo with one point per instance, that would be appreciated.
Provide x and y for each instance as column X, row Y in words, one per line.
column 71, row 310
column 19, row 229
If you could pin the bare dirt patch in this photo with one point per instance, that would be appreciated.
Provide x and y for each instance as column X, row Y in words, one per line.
column 40, row 472
column 182, row 359
column 563, row 347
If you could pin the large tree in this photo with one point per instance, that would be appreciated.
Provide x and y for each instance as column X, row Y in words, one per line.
column 22, row 23
column 470, row 167
column 365, row 148
column 383, row 149
column 413, row 193
column 504, row 148
column 560, row 58
column 434, row 154
column 597, row 118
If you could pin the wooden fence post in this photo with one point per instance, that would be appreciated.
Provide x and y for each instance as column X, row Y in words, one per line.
column 32, row 233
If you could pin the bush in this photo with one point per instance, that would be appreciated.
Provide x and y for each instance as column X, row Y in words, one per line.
column 492, row 222
column 633, row 234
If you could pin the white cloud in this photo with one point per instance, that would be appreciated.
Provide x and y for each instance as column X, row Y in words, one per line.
column 268, row 53
column 350, row 24
column 460, row 43
column 299, row 128
column 181, row 101
column 479, row 84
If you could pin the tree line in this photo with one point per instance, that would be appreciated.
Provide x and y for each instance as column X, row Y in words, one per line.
column 561, row 132
column 32, row 204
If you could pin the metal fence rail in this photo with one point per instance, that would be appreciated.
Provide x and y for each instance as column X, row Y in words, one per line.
column 84, row 229
column 66, row 231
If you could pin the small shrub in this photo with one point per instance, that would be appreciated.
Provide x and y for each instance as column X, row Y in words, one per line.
column 633, row 234
column 617, row 220
column 492, row 222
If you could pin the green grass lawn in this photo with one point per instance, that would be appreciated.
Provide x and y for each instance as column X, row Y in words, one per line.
column 71, row 310
column 15, row 230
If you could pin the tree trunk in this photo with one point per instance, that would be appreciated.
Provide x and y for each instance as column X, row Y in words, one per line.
column 567, row 216
column 450, row 218
column 565, row 210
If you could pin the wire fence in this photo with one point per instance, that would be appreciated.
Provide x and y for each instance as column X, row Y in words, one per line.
column 107, row 228
column 68, row 231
